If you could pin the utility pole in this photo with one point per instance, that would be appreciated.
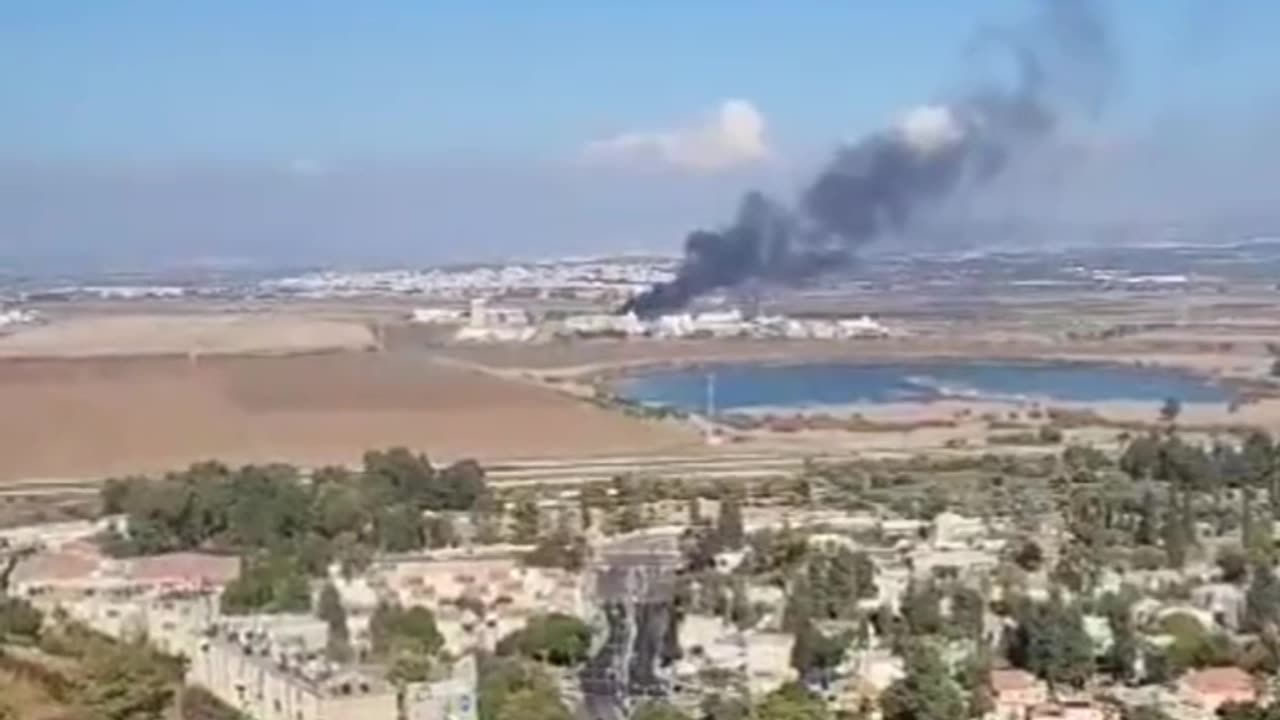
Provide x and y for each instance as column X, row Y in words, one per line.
column 711, row 395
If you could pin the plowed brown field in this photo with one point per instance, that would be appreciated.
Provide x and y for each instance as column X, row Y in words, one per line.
column 85, row 418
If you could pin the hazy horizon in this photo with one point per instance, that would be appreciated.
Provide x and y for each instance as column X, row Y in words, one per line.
column 163, row 135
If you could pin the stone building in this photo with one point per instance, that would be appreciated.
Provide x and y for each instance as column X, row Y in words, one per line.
column 271, row 683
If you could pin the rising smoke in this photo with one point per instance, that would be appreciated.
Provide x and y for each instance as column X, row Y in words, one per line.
column 872, row 189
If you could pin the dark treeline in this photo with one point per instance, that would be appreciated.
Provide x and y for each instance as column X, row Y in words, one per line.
column 288, row 528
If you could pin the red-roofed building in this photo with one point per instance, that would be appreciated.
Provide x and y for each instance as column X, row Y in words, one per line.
column 79, row 571
column 1213, row 687
column 184, row 572
column 73, row 566
column 1015, row 692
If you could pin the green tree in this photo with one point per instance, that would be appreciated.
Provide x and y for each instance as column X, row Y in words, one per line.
column 922, row 608
column 815, row 655
column 1028, row 555
column 1050, row 641
column 329, row 608
column 1174, row 533
column 462, row 485
column 693, row 512
column 1233, row 563
column 1083, row 462
column 850, row 576
column 1171, row 409
column 1262, row 599
column 559, row 550
column 657, row 710
column 407, row 638
column 1248, row 711
column 273, row 582
column 1121, row 657
column 1146, row 534
column 200, row 704
column 1078, row 566
column 968, row 610
column 125, row 681
column 721, row 707
column 741, row 613
column 792, row 702
column 525, row 521
column 338, row 507
column 776, row 552
column 926, row 692
column 729, row 527
column 590, row 499
column 630, row 517
column 399, row 476
column 1145, row 557
column 116, row 492
column 1193, row 645
column 1256, row 532
column 487, row 517
column 19, row 619
column 511, row 689
column 975, row 677
column 1140, row 457
column 268, row 505
column 440, row 532
column 1258, row 454
column 799, row 609
column 534, row 705
column 558, row 639
column 399, row 528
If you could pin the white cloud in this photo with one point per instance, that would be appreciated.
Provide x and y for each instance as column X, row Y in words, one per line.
column 732, row 136
column 930, row 128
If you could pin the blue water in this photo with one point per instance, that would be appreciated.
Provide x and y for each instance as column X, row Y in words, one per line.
column 746, row 386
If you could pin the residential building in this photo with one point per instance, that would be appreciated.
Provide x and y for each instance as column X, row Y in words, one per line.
column 79, row 571
column 271, row 683
column 479, row 597
column 1014, row 693
column 1211, row 688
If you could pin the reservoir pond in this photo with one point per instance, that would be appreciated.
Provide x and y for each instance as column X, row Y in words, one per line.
column 746, row 387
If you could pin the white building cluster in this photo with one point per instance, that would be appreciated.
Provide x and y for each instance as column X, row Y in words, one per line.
column 482, row 322
column 578, row 279
column 17, row 317
column 726, row 324
column 486, row 323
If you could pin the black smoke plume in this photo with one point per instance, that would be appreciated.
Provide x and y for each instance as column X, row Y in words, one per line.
column 871, row 190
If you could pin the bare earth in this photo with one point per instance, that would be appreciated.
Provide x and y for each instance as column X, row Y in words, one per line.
column 114, row 391
column 89, row 418
column 205, row 334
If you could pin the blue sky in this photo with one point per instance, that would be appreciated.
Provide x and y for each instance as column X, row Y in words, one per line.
column 483, row 98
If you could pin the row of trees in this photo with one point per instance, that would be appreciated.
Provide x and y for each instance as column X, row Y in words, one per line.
column 289, row 528
column 1255, row 462
column 212, row 506
column 1175, row 489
